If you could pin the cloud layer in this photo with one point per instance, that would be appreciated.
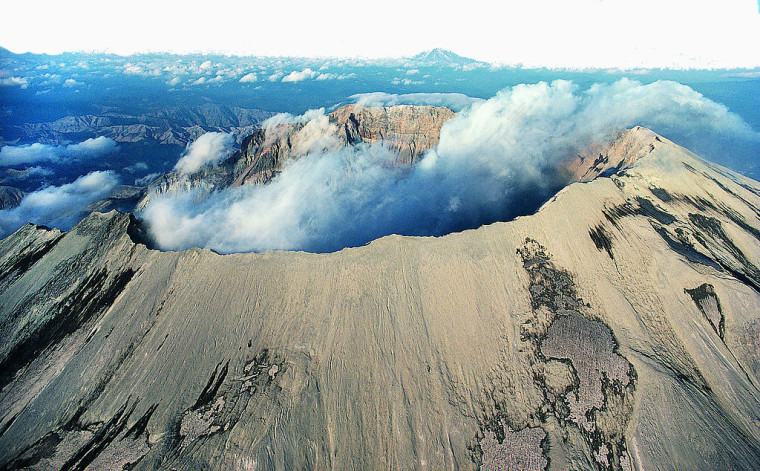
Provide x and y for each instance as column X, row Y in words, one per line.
column 36, row 153
column 496, row 159
column 208, row 149
column 299, row 76
column 453, row 101
column 58, row 206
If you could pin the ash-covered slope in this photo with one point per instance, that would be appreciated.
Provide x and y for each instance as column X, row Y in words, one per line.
column 617, row 328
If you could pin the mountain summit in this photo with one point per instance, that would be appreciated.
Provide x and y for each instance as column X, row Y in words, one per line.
column 440, row 56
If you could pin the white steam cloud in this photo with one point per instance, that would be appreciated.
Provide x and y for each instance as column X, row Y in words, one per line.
column 317, row 133
column 495, row 160
column 208, row 149
column 144, row 181
column 35, row 153
column 58, row 206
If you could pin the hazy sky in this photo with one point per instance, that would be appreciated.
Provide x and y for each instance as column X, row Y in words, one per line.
column 568, row 33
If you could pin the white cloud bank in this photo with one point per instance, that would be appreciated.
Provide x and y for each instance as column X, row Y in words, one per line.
column 453, row 101
column 14, row 81
column 296, row 76
column 329, row 76
column 71, row 83
column 58, row 206
column 144, row 181
column 35, row 153
column 208, row 149
column 495, row 160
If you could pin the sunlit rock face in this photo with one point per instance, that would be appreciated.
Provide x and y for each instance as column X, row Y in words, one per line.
column 615, row 328
column 407, row 130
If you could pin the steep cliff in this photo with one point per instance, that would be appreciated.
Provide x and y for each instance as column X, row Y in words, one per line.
column 408, row 130
column 616, row 328
column 405, row 129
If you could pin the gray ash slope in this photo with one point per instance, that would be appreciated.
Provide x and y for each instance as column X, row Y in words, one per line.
column 616, row 328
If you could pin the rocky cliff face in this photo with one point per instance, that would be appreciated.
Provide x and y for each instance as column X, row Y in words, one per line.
column 617, row 328
column 407, row 130
column 605, row 159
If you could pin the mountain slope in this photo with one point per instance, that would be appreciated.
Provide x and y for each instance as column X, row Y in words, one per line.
column 178, row 125
column 10, row 197
column 442, row 57
column 617, row 328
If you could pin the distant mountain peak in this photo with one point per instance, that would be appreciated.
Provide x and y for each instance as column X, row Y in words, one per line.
column 439, row 56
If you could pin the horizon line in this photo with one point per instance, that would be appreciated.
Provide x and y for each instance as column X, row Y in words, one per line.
column 492, row 64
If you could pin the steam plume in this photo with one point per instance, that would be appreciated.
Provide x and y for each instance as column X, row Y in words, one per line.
column 495, row 160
